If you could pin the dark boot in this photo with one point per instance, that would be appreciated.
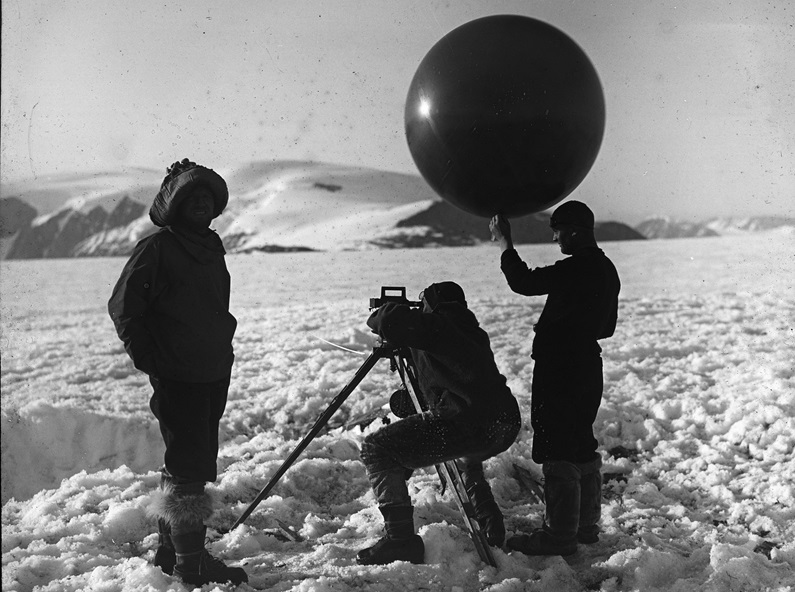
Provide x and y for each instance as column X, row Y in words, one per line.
column 487, row 512
column 540, row 542
column 400, row 542
column 195, row 565
column 491, row 522
column 590, row 501
column 165, row 556
column 558, row 536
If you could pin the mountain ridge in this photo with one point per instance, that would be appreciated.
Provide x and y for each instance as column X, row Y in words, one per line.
column 664, row 227
column 279, row 206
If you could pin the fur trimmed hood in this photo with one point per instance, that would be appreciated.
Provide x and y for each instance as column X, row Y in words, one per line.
column 180, row 180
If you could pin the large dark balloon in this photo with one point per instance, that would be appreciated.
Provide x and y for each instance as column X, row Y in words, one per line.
column 505, row 114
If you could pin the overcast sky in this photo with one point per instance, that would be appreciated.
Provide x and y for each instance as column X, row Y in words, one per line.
column 700, row 95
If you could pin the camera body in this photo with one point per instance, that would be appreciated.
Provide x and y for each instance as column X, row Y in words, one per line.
column 393, row 294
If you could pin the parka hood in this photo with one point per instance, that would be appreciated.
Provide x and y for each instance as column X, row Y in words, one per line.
column 180, row 180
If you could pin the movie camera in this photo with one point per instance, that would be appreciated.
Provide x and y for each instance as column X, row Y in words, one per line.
column 393, row 294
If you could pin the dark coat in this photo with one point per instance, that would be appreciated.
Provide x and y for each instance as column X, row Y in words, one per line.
column 582, row 306
column 456, row 370
column 171, row 307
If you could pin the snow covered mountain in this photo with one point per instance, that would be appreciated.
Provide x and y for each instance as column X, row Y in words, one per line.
column 280, row 206
column 50, row 216
column 663, row 227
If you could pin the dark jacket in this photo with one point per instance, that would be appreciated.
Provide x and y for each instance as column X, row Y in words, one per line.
column 456, row 370
column 171, row 307
column 582, row 306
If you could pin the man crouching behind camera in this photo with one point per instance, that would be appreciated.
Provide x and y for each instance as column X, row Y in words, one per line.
column 472, row 415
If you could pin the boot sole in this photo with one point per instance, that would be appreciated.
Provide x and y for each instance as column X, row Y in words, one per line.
column 415, row 556
column 199, row 580
column 522, row 544
column 366, row 560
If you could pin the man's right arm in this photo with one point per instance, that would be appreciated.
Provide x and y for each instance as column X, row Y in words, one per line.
column 523, row 280
column 520, row 278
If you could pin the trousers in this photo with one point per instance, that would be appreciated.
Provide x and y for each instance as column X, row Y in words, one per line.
column 566, row 394
column 189, row 415
column 426, row 439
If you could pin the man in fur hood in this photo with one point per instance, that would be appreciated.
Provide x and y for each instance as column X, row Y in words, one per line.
column 170, row 307
column 472, row 415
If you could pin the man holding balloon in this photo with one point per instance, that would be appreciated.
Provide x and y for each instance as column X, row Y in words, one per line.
column 581, row 308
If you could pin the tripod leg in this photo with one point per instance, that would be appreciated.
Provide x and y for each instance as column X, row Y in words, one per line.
column 321, row 421
column 449, row 472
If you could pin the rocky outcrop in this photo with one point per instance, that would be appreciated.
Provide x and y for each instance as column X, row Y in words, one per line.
column 58, row 234
column 616, row 231
column 15, row 215
column 668, row 228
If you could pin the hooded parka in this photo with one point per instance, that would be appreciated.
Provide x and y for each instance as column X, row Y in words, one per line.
column 171, row 307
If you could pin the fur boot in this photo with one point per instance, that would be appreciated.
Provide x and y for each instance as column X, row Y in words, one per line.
column 183, row 509
column 182, row 505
